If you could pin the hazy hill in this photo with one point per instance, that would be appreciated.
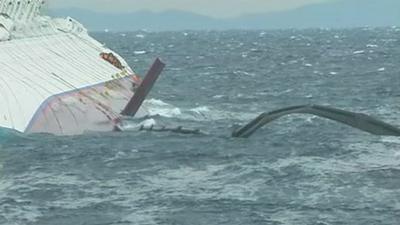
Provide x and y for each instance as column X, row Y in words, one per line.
column 340, row 13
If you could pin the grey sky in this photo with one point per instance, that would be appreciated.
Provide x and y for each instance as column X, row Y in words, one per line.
column 214, row 8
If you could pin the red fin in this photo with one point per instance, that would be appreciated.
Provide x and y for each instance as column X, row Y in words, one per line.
column 143, row 90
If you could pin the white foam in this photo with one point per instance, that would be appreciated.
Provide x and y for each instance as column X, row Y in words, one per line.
column 167, row 112
column 156, row 102
column 393, row 140
column 157, row 107
column 243, row 73
column 201, row 113
column 371, row 46
column 218, row 96
column 135, row 126
column 148, row 123
column 359, row 52
column 139, row 52
column 201, row 109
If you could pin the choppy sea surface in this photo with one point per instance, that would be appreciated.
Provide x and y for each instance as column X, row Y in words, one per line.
column 297, row 170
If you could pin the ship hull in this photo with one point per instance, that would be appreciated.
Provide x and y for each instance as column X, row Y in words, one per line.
column 94, row 108
column 60, row 84
column 55, row 78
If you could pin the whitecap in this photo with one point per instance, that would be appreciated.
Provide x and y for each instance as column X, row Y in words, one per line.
column 176, row 69
column 392, row 140
column 241, row 72
column 381, row 69
column 200, row 109
column 358, row 52
column 165, row 112
column 117, row 156
column 148, row 123
column 218, row 96
column 372, row 46
column 157, row 102
column 130, row 125
column 156, row 107
column 139, row 52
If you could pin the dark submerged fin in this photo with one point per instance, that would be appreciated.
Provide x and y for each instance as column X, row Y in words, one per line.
column 143, row 90
column 357, row 120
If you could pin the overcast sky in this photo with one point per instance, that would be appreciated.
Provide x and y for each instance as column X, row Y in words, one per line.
column 214, row 8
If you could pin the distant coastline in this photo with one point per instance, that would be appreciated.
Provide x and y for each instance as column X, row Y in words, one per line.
column 337, row 14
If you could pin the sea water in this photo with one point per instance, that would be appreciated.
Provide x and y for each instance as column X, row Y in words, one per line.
column 297, row 170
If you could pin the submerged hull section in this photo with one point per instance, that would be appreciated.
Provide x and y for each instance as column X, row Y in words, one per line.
column 88, row 109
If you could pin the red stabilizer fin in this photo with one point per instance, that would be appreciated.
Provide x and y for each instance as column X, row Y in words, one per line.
column 143, row 90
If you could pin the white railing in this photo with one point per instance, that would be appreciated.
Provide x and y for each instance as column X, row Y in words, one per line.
column 21, row 10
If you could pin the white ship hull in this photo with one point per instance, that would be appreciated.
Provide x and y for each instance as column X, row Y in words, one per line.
column 53, row 78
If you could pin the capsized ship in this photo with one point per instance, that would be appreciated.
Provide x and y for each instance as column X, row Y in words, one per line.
column 55, row 78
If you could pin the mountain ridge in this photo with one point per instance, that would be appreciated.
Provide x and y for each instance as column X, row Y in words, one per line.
column 336, row 14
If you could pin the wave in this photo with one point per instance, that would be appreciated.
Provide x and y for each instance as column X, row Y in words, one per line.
column 201, row 113
column 159, row 108
column 132, row 125
column 7, row 135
